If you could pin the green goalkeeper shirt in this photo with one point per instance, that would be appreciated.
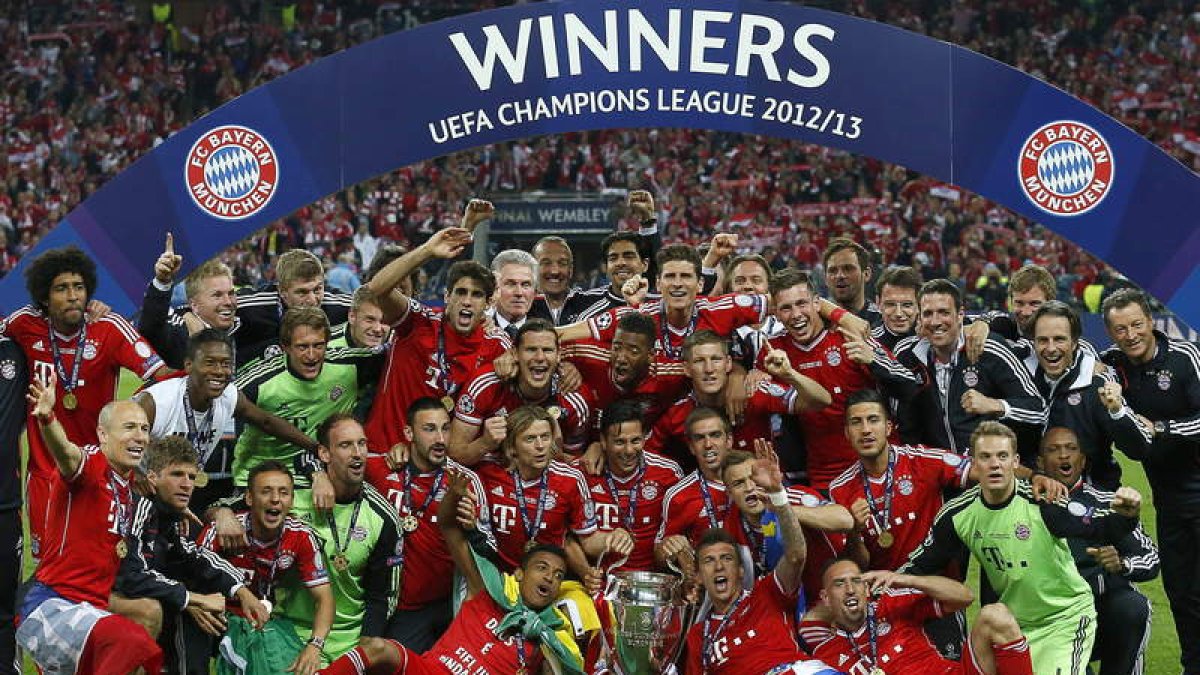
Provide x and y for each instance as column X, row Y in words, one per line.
column 1021, row 546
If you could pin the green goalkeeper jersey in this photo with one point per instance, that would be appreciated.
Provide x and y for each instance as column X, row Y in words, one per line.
column 1021, row 547
column 272, row 386
column 362, row 563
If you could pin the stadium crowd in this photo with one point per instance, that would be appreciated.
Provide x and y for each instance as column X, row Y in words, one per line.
column 92, row 86
column 812, row 436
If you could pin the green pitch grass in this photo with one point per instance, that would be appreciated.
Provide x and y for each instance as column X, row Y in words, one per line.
column 1162, row 656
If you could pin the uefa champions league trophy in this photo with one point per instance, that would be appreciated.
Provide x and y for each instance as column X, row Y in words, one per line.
column 651, row 620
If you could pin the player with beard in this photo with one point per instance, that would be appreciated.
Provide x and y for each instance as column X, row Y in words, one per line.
column 630, row 489
column 479, row 425
column 63, row 622
column 847, row 271
column 359, row 536
column 699, row 501
column 507, row 624
column 871, row 622
column 756, row 528
column 84, row 355
column 897, row 302
column 432, row 353
column 416, row 490
column 1082, row 399
column 212, row 303
column 750, row 274
column 281, row 551
column 707, row 361
column 840, row 360
column 1019, row 545
column 1109, row 567
column 200, row 405
column 751, row 629
column 535, row 499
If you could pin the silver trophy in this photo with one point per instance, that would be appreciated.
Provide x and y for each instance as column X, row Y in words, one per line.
column 651, row 622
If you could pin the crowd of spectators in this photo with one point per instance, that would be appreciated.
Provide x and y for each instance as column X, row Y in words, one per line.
column 90, row 86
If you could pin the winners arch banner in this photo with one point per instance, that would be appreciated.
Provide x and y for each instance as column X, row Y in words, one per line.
column 754, row 67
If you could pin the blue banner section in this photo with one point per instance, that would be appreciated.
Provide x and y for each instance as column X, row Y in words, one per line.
column 756, row 67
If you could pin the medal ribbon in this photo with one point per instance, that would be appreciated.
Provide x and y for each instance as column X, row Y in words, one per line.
column 888, row 476
column 713, row 520
column 627, row 515
column 440, row 357
column 338, row 548
column 409, row 472
column 194, row 431
column 68, row 384
column 872, row 638
column 531, row 531
column 124, row 504
column 758, row 547
column 710, row 640
column 266, row 589
column 665, row 333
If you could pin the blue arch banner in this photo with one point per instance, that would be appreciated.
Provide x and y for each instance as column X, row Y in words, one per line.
column 756, row 67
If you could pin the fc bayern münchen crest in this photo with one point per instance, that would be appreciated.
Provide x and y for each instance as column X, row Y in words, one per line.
column 905, row 485
column 286, row 560
column 971, row 377
column 89, row 350
column 649, row 491
column 231, row 172
column 8, row 368
column 1065, row 168
column 1074, row 398
column 336, row 392
column 833, row 356
column 1164, row 379
column 1022, row 531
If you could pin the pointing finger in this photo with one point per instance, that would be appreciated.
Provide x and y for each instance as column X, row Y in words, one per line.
column 170, row 243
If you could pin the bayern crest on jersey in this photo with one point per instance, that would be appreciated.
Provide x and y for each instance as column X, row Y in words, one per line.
column 833, row 356
column 8, row 368
column 1065, row 168
column 1164, row 379
column 905, row 485
column 231, row 172
column 649, row 491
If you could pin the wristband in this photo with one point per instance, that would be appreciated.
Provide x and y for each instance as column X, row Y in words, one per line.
column 778, row 498
column 837, row 314
column 649, row 222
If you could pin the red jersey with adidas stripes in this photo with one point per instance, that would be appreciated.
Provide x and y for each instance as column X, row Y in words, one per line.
column 567, row 505
column 663, row 384
column 669, row 435
column 645, row 490
column 416, row 367
column 919, row 477
column 685, row 510
column 722, row 314
column 901, row 643
column 758, row 635
column 486, row 395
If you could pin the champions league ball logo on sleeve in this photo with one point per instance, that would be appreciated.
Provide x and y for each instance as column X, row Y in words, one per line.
column 1065, row 168
column 231, row 172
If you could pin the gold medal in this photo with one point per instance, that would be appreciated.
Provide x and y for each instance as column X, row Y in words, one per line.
column 554, row 412
column 122, row 549
column 530, row 544
column 886, row 539
column 521, row 670
column 69, row 400
column 341, row 563
column 201, row 479
column 877, row 671
column 409, row 523
column 448, row 402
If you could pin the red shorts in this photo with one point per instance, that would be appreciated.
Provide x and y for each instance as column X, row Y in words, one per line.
column 37, row 506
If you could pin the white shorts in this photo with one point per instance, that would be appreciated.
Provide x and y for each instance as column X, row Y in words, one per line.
column 56, row 631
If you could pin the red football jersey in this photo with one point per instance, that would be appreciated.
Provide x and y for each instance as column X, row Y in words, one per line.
column 87, row 519
column 428, row 572
column 918, row 478
column 902, row 645
column 646, row 489
column 684, row 510
column 295, row 555
column 758, row 636
column 413, row 368
column 821, row 546
column 111, row 344
column 825, row 360
column 486, row 395
column 669, row 435
column 661, row 387
column 722, row 314
column 567, row 506
column 471, row 644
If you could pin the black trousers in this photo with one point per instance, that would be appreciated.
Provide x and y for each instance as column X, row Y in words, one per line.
column 10, row 578
column 1122, row 631
column 418, row 629
column 1179, row 548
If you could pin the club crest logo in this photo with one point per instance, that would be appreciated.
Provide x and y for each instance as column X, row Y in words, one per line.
column 905, row 485
column 1074, row 398
column 336, row 392
column 971, row 377
column 649, row 491
column 833, row 356
column 1022, row 531
column 8, row 368
column 89, row 351
column 286, row 560
column 1164, row 379
column 1065, row 168
column 231, row 172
